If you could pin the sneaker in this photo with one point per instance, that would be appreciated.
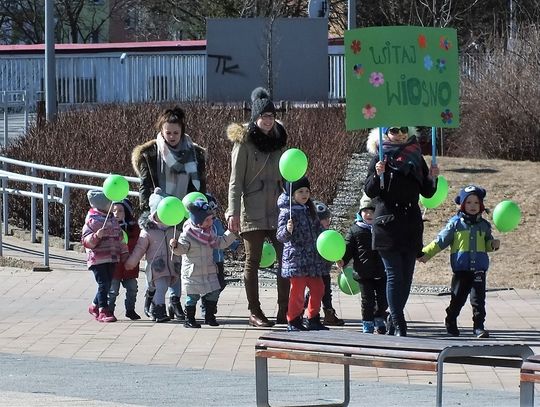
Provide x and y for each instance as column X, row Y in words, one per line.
column 106, row 316
column 481, row 333
column 331, row 319
column 93, row 310
column 131, row 314
column 380, row 326
column 451, row 327
column 368, row 327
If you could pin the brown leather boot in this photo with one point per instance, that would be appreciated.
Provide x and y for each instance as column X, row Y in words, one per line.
column 331, row 319
column 259, row 320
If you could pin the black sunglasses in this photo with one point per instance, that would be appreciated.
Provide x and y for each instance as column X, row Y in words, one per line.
column 396, row 130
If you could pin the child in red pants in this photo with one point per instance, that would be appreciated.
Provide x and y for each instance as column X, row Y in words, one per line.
column 298, row 229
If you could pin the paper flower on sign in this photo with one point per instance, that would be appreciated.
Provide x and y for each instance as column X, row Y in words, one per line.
column 447, row 116
column 445, row 43
column 369, row 111
column 422, row 41
column 356, row 46
column 376, row 79
column 441, row 64
column 358, row 70
column 428, row 62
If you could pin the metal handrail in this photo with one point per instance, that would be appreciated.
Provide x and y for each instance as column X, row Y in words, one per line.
column 47, row 196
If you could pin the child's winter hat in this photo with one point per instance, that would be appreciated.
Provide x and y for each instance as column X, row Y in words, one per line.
column 301, row 183
column 471, row 190
column 212, row 201
column 366, row 203
column 323, row 212
column 261, row 103
column 98, row 200
column 128, row 208
column 199, row 210
column 155, row 199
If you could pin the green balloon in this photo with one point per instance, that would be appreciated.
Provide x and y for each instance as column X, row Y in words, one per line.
column 293, row 164
column 125, row 236
column 115, row 187
column 171, row 211
column 506, row 216
column 440, row 194
column 331, row 245
column 268, row 256
column 346, row 283
column 192, row 197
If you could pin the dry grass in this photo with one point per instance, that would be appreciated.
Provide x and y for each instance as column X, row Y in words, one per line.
column 516, row 264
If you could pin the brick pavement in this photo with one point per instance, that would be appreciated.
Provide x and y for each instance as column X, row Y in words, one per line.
column 45, row 314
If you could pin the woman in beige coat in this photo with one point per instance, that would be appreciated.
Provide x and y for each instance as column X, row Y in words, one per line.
column 254, row 187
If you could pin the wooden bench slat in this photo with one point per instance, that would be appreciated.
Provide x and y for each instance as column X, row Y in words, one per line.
column 408, row 364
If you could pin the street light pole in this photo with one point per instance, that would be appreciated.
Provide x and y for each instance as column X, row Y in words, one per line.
column 351, row 8
column 50, row 63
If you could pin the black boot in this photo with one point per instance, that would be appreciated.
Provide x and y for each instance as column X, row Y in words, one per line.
column 148, row 296
column 175, row 309
column 210, row 315
column 401, row 327
column 390, row 328
column 159, row 313
column 296, row 324
column 191, row 322
column 314, row 324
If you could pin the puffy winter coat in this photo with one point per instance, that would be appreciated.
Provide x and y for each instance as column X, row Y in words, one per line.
column 300, row 256
column 153, row 243
column 367, row 262
column 199, row 271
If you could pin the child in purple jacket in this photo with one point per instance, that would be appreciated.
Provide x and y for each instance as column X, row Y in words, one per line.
column 298, row 229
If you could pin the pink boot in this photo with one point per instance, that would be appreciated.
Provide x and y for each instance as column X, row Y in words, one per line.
column 106, row 316
column 93, row 310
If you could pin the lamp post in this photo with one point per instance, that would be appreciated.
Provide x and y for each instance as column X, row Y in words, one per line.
column 50, row 63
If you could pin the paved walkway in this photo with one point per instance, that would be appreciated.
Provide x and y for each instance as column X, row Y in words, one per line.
column 48, row 343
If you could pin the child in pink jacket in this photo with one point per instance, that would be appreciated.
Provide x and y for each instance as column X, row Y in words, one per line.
column 103, row 240
column 162, row 267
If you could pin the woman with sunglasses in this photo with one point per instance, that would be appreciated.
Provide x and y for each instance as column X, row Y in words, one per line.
column 254, row 187
column 398, row 227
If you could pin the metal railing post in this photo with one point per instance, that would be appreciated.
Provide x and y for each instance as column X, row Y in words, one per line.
column 5, row 206
column 25, row 99
column 33, row 210
column 66, row 194
column 46, row 225
column 5, row 107
column 4, row 203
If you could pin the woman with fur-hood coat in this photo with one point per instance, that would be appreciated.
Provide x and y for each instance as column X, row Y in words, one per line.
column 171, row 161
column 398, row 226
column 176, row 165
column 254, row 187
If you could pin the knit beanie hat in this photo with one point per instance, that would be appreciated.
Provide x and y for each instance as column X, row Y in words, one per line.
column 212, row 201
column 155, row 199
column 301, row 183
column 199, row 210
column 322, row 210
column 98, row 200
column 261, row 103
column 366, row 203
column 470, row 190
column 128, row 209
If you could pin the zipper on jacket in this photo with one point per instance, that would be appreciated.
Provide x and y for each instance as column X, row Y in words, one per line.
column 390, row 181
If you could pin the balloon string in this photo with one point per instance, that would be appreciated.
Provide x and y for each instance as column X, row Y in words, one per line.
column 107, row 217
column 174, row 237
column 290, row 201
column 348, row 285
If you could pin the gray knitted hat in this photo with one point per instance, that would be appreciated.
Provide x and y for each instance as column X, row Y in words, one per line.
column 261, row 103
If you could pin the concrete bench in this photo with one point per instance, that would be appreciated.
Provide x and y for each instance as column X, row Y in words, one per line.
column 413, row 353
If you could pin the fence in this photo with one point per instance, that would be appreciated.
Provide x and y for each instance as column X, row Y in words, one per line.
column 47, row 195
column 145, row 77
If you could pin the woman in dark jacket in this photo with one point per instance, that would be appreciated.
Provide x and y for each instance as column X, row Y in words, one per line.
column 398, row 226
column 174, row 163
